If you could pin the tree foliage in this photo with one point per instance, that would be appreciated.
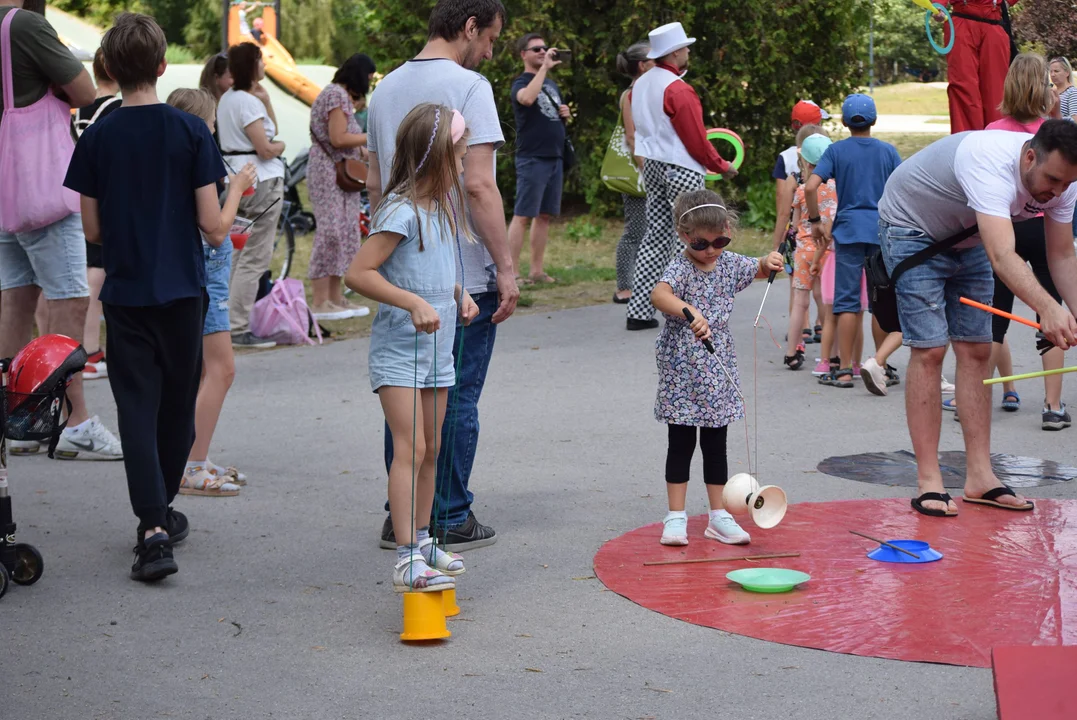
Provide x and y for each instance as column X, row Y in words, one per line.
column 901, row 46
column 752, row 61
column 1051, row 25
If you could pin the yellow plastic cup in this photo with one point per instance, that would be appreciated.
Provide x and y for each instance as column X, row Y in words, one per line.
column 424, row 617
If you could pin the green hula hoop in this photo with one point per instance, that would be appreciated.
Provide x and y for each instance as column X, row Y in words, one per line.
column 733, row 139
column 927, row 26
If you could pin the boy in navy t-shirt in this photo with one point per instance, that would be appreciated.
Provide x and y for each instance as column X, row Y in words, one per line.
column 147, row 175
column 860, row 166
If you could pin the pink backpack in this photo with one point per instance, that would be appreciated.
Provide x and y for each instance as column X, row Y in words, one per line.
column 36, row 148
column 283, row 315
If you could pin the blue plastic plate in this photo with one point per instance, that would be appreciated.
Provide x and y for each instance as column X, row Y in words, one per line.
column 768, row 580
column 926, row 552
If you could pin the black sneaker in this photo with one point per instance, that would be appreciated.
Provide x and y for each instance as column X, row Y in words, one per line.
column 250, row 340
column 1055, row 419
column 634, row 324
column 892, row 377
column 388, row 537
column 469, row 536
column 177, row 526
column 153, row 559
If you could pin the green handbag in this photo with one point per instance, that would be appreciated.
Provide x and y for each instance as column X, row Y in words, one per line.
column 619, row 171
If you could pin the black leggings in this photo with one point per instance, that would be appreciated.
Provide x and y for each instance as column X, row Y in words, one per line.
column 1031, row 246
column 682, row 446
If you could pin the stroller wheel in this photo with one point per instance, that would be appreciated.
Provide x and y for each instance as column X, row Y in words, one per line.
column 3, row 580
column 29, row 565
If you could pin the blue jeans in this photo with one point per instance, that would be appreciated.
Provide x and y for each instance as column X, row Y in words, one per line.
column 929, row 295
column 460, row 432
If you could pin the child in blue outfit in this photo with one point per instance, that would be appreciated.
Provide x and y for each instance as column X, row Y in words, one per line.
column 147, row 175
column 693, row 389
column 860, row 165
column 408, row 265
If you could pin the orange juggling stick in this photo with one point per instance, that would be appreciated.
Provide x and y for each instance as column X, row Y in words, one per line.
column 1000, row 313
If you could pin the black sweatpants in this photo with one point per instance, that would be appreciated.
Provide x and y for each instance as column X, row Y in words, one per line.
column 154, row 365
column 682, row 446
column 1030, row 244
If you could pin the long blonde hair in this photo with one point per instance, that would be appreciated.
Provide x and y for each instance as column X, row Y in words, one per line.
column 1026, row 94
column 426, row 132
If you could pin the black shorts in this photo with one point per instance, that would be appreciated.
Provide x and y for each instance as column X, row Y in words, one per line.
column 1030, row 244
column 93, row 255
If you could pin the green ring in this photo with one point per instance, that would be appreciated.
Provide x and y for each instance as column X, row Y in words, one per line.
column 733, row 139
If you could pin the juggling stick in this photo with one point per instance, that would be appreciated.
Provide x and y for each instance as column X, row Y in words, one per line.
column 770, row 281
column 886, row 544
column 1000, row 313
column 1029, row 376
column 723, row 559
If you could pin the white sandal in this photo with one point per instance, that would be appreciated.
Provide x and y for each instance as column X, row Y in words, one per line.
column 202, row 482
column 420, row 577
column 443, row 561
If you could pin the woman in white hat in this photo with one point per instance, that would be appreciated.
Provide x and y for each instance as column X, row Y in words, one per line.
column 672, row 140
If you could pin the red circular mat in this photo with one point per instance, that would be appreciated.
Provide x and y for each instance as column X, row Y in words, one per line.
column 1006, row 578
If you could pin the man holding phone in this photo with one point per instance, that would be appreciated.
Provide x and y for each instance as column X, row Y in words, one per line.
column 540, row 144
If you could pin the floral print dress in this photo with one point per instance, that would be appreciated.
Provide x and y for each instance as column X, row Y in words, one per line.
column 337, row 236
column 692, row 389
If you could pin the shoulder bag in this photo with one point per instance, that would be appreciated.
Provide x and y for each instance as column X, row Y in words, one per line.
column 351, row 174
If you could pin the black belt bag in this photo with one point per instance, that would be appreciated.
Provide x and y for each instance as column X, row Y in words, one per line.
column 882, row 285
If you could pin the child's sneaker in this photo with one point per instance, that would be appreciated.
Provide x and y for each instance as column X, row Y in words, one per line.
column 96, row 367
column 874, row 377
column 723, row 528
column 822, row 367
column 153, row 559
column 412, row 574
column 675, row 528
column 948, row 388
column 1055, row 419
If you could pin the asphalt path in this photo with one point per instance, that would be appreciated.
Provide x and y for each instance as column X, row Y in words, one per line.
column 283, row 606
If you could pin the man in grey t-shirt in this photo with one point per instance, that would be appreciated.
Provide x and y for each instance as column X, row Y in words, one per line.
column 988, row 178
column 461, row 35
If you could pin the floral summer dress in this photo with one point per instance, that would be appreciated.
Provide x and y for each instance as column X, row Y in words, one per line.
column 336, row 237
column 692, row 389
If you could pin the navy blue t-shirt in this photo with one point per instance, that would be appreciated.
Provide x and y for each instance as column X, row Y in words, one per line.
column 860, row 167
column 540, row 132
column 143, row 165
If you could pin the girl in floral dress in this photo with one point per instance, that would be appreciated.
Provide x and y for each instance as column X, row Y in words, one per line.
column 693, row 390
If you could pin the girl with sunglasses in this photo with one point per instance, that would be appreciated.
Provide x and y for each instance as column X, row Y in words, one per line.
column 693, row 389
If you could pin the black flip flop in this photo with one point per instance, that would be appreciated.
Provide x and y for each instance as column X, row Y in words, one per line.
column 990, row 498
column 917, row 504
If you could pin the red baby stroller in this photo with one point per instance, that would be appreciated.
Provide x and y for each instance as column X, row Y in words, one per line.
column 33, row 391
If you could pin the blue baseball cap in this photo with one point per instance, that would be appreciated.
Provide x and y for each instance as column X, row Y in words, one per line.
column 858, row 111
column 813, row 147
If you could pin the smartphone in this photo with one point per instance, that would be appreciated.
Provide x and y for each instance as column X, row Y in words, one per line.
column 562, row 55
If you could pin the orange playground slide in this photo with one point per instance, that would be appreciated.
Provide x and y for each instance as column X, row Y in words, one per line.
column 280, row 65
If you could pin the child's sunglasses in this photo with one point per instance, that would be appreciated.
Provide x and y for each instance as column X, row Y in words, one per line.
column 699, row 245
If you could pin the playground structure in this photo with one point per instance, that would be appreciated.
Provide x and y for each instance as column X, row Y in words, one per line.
column 280, row 65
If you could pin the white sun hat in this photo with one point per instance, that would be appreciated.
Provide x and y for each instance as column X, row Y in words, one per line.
column 667, row 39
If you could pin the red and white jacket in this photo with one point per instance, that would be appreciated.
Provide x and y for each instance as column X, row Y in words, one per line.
column 669, row 122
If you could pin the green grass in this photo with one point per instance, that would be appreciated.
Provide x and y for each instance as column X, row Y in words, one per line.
column 907, row 99
column 179, row 55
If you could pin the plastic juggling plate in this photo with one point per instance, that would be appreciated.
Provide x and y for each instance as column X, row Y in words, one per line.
column 768, row 580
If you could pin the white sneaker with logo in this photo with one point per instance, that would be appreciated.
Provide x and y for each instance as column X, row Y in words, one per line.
column 90, row 441
column 723, row 528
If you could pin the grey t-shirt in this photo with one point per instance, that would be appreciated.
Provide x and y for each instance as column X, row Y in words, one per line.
column 940, row 189
column 446, row 82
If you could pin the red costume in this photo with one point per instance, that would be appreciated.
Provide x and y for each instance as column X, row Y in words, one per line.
column 977, row 64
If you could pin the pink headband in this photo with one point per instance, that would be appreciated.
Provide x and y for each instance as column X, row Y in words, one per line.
column 457, row 129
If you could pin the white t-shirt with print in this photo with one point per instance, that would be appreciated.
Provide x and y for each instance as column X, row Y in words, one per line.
column 940, row 189
column 236, row 110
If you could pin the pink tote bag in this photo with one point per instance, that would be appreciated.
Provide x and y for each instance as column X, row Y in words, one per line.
column 35, row 148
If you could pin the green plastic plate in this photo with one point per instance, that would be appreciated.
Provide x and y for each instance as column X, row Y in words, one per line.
column 768, row 580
